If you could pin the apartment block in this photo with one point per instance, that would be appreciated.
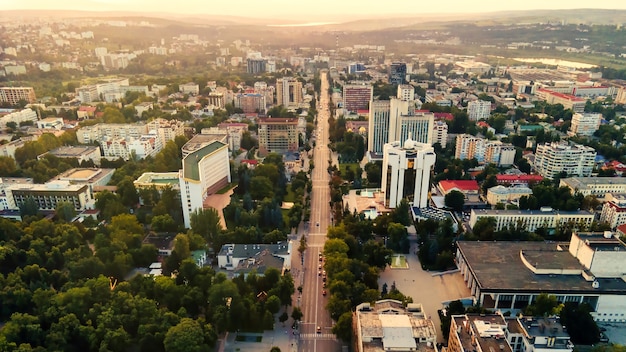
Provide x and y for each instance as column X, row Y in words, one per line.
column 585, row 124
column 567, row 100
column 614, row 210
column 48, row 195
column 288, row 92
column 14, row 95
column 440, row 133
column 80, row 153
column 552, row 159
column 17, row 117
column 478, row 110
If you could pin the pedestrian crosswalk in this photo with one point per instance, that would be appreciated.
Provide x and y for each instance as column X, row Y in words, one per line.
column 317, row 336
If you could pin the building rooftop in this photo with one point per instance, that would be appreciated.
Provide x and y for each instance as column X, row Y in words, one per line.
column 200, row 140
column 498, row 267
column 461, row 185
column 73, row 152
column 518, row 178
column 249, row 250
column 488, row 332
column 585, row 182
column 543, row 211
column 191, row 160
column 85, row 175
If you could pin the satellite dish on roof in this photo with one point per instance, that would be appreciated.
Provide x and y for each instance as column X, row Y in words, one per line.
column 595, row 284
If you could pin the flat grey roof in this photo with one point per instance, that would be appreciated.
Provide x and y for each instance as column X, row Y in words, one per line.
column 497, row 267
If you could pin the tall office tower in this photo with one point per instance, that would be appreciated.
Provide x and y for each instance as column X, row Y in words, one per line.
column 378, row 125
column 552, row 159
column 419, row 125
column 206, row 170
column 478, row 109
column 397, row 73
column 288, row 91
column 256, row 66
column 357, row 97
column 406, row 172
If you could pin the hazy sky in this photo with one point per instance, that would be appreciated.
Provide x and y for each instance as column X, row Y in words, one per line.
column 315, row 8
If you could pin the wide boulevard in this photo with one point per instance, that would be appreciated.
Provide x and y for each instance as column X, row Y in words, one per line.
column 315, row 330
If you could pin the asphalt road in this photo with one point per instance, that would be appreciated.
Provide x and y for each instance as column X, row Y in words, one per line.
column 312, row 302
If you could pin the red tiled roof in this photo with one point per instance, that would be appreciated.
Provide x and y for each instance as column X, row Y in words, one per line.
column 462, row 185
column 622, row 228
column 250, row 161
column 443, row 116
column 561, row 95
column 362, row 111
column 87, row 108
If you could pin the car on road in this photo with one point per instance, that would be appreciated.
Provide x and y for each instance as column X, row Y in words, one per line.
column 318, row 224
column 319, row 329
column 319, row 273
column 323, row 292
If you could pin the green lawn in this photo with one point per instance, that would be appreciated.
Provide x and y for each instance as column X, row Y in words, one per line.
column 398, row 261
column 226, row 188
column 290, row 196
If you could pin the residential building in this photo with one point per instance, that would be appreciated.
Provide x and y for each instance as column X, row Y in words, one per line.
column 357, row 97
column 397, row 73
column 406, row 172
column 440, row 133
column 470, row 147
column 501, row 194
column 288, row 92
column 388, row 326
column 142, row 147
column 256, row 66
column 102, row 131
column 216, row 100
column 478, row 110
column 537, row 334
column 24, row 115
column 588, row 269
column 478, row 332
column 614, row 210
column 251, row 103
column 406, row 92
column 554, row 159
column 233, row 131
column 585, row 124
column 80, row 153
column 243, row 258
column 15, row 95
column 189, row 88
column 531, row 220
column 48, row 195
column 143, row 107
column 594, row 186
column 277, row 135
column 206, row 170
column 501, row 154
column 166, row 130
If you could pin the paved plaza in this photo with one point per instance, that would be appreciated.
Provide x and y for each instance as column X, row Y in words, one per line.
column 424, row 287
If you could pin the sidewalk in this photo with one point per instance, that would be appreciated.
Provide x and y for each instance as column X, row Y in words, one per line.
column 281, row 337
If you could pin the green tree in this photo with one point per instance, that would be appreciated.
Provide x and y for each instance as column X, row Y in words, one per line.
column 543, row 305
column 580, row 324
column 261, row 187
column 29, row 207
column 455, row 200
column 65, row 211
column 163, row 223
column 273, row 304
column 206, row 222
column 343, row 328
column 7, row 166
column 296, row 314
column 112, row 115
column 186, row 336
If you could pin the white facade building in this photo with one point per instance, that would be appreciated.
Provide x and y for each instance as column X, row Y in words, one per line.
column 478, row 110
column 614, row 210
column 531, row 220
column 501, row 154
column 585, row 124
column 18, row 117
column 406, row 172
column 594, row 186
column 551, row 159
column 206, row 169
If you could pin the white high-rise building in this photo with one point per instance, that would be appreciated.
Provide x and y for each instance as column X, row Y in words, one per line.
column 551, row 159
column 484, row 151
column 501, row 154
column 419, row 125
column 206, row 170
column 406, row 92
column 585, row 124
column 406, row 172
column 288, row 91
column 469, row 147
column 478, row 109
